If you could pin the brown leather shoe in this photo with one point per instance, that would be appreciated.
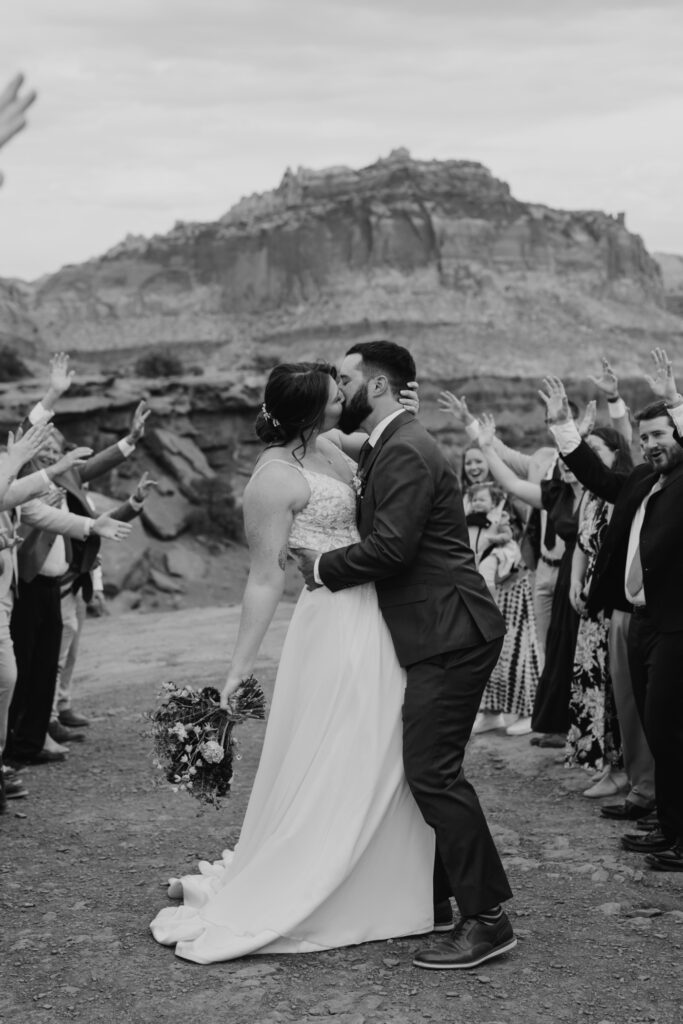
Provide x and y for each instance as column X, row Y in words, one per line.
column 60, row 734
column 71, row 720
column 650, row 842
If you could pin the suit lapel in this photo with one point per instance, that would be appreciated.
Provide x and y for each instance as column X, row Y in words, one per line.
column 388, row 431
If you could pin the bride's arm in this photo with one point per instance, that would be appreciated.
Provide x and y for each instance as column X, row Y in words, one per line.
column 270, row 501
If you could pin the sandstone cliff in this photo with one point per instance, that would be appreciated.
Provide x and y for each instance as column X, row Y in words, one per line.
column 435, row 253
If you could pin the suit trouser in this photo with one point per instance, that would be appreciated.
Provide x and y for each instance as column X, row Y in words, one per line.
column 655, row 659
column 638, row 760
column 8, row 665
column 37, row 632
column 441, row 701
column 545, row 578
column 73, row 617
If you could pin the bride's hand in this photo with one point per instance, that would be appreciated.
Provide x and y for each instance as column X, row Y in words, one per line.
column 231, row 684
column 409, row 399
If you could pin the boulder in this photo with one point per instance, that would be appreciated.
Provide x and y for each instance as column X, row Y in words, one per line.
column 164, row 582
column 166, row 515
column 125, row 564
column 182, row 458
column 181, row 561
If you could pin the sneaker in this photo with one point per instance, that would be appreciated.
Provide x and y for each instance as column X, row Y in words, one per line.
column 472, row 943
column 487, row 721
column 522, row 727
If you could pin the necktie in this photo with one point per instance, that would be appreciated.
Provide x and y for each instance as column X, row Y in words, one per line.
column 363, row 456
column 634, row 579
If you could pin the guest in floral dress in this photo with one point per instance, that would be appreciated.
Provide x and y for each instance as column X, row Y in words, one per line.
column 593, row 734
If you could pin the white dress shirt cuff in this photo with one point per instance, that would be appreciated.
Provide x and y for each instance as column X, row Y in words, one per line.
column 676, row 414
column 472, row 430
column 316, row 572
column 566, row 435
column 126, row 448
column 37, row 413
column 617, row 409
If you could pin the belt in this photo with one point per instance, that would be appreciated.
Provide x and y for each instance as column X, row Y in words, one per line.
column 47, row 581
column 554, row 562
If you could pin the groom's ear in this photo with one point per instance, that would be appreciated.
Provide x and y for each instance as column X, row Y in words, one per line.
column 380, row 385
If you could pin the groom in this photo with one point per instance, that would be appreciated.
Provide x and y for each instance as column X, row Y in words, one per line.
column 447, row 632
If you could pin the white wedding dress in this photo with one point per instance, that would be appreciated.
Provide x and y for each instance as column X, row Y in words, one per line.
column 333, row 849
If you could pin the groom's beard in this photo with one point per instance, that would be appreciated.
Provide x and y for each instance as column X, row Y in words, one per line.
column 355, row 411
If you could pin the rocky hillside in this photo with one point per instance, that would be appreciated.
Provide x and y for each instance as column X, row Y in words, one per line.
column 672, row 277
column 435, row 253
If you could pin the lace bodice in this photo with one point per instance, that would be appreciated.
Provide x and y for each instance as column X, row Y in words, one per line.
column 328, row 521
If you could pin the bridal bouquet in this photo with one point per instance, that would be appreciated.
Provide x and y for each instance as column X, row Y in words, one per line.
column 193, row 736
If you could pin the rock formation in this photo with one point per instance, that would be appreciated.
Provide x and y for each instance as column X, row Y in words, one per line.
column 435, row 252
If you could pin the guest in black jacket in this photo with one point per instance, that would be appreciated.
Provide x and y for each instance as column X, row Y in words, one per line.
column 639, row 569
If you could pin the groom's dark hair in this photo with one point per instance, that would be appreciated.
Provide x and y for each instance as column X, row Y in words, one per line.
column 394, row 361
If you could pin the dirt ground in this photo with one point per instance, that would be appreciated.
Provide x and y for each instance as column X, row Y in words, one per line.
column 85, row 861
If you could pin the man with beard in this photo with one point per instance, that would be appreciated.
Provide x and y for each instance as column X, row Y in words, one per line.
column 446, row 629
column 639, row 569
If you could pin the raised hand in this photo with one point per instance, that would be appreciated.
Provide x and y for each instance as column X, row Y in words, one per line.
column 587, row 421
column 607, row 382
column 662, row 381
column 409, row 398
column 555, row 398
column 455, row 407
column 21, row 448
column 144, row 485
column 111, row 529
column 487, row 430
column 13, row 109
column 60, row 374
column 76, row 457
column 137, row 426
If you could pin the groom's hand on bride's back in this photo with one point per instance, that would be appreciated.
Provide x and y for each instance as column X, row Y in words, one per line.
column 305, row 560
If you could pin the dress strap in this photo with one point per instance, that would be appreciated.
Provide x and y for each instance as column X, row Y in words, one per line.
column 282, row 462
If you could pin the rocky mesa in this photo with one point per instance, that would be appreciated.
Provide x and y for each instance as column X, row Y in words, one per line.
column 435, row 253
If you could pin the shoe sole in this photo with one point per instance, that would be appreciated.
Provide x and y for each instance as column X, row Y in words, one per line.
column 498, row 951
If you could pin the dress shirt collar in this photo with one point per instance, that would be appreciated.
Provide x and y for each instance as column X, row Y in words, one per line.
column 381, row 427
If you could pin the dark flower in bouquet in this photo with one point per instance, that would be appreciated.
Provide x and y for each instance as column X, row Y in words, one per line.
column 193, row 736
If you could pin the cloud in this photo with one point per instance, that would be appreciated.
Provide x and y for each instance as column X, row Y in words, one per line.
column 157, row 110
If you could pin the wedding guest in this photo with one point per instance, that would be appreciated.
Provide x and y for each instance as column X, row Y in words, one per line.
column 512, row 685
column 639, row 567
column 559, row 498
column 73, row 610
column 593, row 736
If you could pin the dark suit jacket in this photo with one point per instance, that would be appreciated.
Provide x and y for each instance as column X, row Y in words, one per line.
column 37, row 542
column 415, row 548
column 661, row 540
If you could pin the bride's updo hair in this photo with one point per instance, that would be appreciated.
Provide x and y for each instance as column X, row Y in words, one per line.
column 294, row 402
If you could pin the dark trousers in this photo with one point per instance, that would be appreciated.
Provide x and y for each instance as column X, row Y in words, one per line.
column 655, row 660
column 36, row 628
column 441, row 701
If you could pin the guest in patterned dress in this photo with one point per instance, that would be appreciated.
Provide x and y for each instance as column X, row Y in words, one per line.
column 593, row 734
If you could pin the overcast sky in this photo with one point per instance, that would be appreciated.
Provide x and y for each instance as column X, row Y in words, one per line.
column 152, row 111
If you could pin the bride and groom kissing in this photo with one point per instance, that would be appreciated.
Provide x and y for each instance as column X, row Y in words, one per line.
column 361, row 824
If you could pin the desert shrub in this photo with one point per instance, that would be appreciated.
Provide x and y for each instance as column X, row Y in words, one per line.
column 11, row 366
column 159, row 364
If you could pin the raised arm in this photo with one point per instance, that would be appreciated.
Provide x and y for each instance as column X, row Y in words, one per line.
column 587, row 467
column 13, row 107
column 502, row 473
column 270, row 501
column 608, row 384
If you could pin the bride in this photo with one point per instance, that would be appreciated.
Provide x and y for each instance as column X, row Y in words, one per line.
column 333, row 849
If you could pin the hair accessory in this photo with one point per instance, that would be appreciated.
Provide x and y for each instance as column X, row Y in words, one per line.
column 269, row 417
